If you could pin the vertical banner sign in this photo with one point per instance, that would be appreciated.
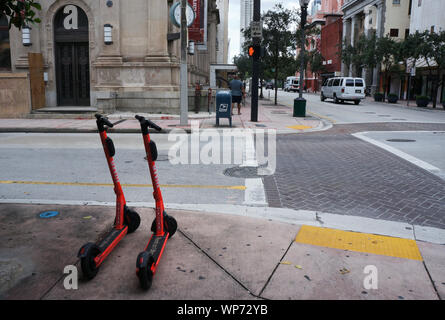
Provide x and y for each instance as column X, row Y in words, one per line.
column 196, row 30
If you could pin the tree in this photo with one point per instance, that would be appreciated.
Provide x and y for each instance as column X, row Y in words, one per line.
column 438, row 54
column 244, row 65
column 20, row 12
column 279, row 42
column 432, row 51
column 316, row 63
column 384, row 52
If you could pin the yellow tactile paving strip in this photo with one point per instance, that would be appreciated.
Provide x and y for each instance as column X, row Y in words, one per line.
column 299, row 127
column 359, row 242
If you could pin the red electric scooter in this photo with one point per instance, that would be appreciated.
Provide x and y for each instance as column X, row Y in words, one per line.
column 127, row 221
column 163, row 226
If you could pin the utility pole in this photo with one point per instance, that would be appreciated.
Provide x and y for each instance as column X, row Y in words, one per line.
column 255, row 64
column 183, row 71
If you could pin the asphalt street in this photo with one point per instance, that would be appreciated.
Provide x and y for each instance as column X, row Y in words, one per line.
column 73, row 167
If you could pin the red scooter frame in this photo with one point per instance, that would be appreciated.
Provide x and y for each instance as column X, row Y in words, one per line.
column 126, row 221
column 164, row 226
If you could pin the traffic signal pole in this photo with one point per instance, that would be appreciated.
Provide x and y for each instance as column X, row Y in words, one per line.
column 255, row 65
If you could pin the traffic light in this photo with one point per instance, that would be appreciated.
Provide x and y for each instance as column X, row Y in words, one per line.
column 255, row 52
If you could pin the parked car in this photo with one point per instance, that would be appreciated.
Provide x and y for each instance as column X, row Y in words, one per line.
column 291, row 84
column 342, row 89
column 269, row 85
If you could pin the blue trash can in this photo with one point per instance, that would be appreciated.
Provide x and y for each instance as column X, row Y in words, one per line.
column 224, row 106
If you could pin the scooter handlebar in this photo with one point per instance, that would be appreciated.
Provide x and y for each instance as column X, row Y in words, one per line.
column 103, row 121
column 148, row 123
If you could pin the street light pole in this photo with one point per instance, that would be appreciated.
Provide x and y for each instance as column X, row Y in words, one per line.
column 300, row 102
column 183, row 70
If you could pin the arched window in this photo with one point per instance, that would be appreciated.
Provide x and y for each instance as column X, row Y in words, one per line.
column 5, row 50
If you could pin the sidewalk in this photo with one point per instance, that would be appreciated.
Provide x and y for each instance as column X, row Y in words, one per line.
column 213, row 256
column 269, row 117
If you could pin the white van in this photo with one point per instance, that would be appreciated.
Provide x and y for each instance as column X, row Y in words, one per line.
column 291, row 84
column 343, row 89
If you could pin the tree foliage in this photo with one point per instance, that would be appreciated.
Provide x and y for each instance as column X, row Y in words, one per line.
column 20, row 13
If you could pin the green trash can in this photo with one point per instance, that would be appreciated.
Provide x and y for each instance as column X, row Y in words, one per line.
column 300, row 107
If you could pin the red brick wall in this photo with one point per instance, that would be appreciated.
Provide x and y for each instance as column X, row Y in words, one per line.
column 331, row 36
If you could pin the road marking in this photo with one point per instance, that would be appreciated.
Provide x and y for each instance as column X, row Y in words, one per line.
column 299, row 127
column 91, row 184
column 322, row 117
column 255, row 195
column 359, row 242
column 422, row 164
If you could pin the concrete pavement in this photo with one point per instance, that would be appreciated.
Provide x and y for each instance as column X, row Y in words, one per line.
column 271, row 116
column 214, row 257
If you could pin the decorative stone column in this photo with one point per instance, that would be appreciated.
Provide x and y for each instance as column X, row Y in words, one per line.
column 346, row 31
column 353, row 35
column 157, row 31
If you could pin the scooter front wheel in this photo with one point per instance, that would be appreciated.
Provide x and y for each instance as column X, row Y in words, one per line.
column 132, row 220
column 144, row 273
column 87, row 263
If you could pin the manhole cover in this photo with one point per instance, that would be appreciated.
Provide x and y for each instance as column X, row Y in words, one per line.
column 261, row 125
column 370, row 112
column 384, row 115
column 242, row 172
column 400, row 140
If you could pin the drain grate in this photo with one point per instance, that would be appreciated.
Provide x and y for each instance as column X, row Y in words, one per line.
column 401, row 140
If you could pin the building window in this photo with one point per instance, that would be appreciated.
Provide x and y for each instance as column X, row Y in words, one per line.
column 5, row 51
column 432, row 29
column 409, row 6
column 419, row 3
column 406, row 33
column 395, row 1
column 394, row 32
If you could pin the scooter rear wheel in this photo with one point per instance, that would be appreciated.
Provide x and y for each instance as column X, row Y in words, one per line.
column 170, row 225
column 132, row 220
column 87, row 263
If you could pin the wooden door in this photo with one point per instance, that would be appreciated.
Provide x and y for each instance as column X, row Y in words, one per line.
column 38, row 100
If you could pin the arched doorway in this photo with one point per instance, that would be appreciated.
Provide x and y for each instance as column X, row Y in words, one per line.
column 72, row 56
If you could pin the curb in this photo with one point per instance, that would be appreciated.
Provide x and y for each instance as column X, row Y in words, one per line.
column 358, row 224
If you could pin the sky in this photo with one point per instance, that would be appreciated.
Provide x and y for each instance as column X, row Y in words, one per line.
column 234, row 20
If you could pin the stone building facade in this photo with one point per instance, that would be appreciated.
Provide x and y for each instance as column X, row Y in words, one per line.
column 138, row 70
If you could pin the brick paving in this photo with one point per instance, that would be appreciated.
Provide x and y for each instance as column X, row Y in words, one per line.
column 334, row 172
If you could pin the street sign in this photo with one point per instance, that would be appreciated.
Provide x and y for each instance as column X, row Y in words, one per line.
column 256, row 29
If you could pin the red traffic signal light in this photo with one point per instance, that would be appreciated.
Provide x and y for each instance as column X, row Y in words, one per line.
column 251, row 51
column 255, row 52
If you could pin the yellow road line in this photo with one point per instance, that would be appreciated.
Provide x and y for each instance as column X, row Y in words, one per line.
column 315, row 115
column 359, row 242
column 91, row 184
column 322, row 117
